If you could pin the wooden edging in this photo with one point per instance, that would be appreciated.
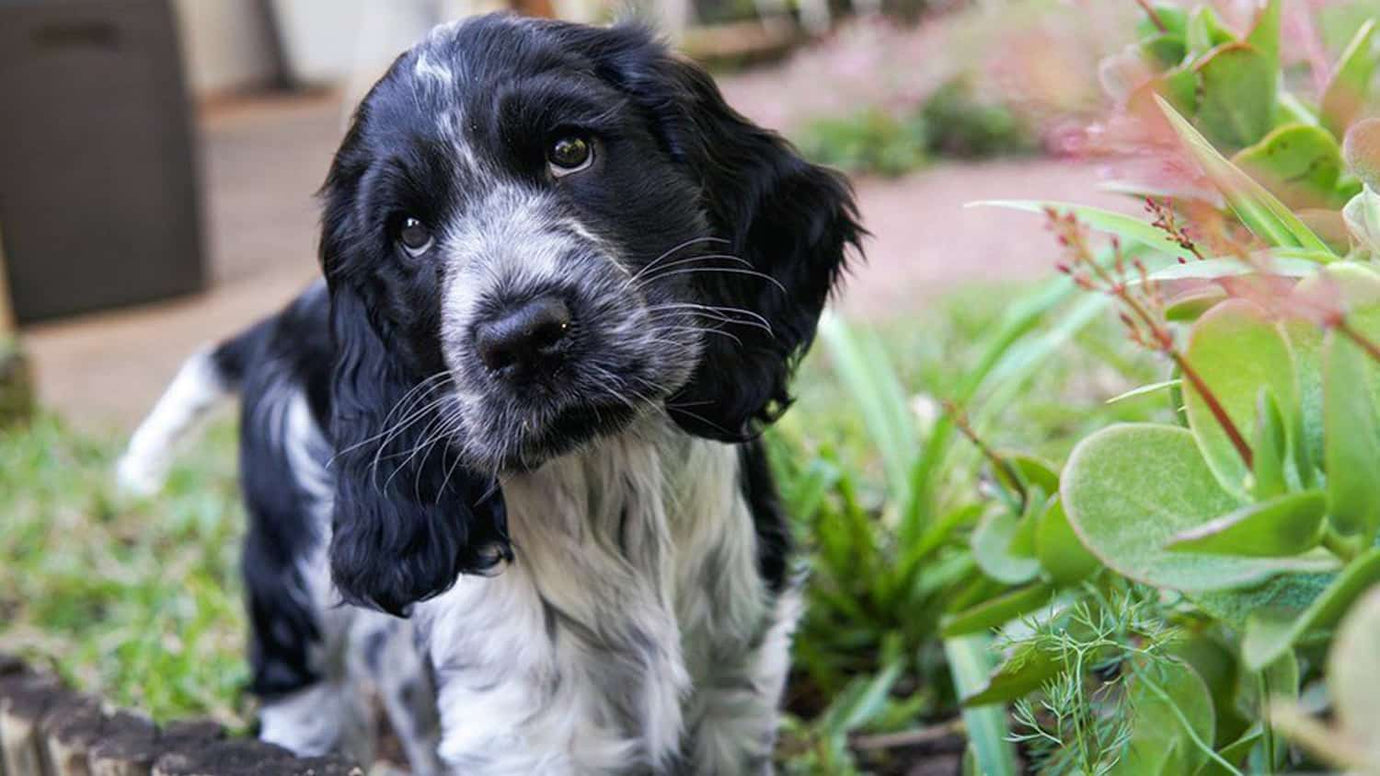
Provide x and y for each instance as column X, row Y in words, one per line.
column 47, row 729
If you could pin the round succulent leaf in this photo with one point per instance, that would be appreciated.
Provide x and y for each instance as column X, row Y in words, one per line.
column 1362, row 217
column 1166, row 50
column 993, row 543
column 1189, row 305
column 1346, row 286
column 1237, row 103
column 1361, row 149
column 1160, row 743
column 1351, row 437
column 1287, row 525
column 1237, row 351
column 1182, row 86
column 1033, row 470
column 1272, row 630
column 1129, row 488
column 1065, row 560
column 1215, row 661
column 1299, row 164
column 1173, row 18
column 1206, row 31
column 1348, row 90
column 1270, row 445
column 1354, row 673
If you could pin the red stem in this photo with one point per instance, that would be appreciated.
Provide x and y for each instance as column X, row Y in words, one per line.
column 1360, row 339
column 1154, row 17
column 1215, row 407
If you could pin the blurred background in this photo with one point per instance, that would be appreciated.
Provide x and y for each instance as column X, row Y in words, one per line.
column 158, row 159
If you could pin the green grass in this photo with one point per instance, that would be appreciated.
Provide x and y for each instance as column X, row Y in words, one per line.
column 141, row 602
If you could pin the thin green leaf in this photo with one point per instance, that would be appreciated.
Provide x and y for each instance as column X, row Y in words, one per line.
column 1145, row 390
column 1024, row 671
column 1289, row 264
column 1257, row 208
column 970, row 663
column 995, row 613
column 1287, row 525
column 1271, row 446
column 1351, row 439
column 1349, row 88
column 880, row 398
column 1128, row 228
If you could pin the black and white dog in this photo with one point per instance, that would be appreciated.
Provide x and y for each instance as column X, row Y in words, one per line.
column 565, row 286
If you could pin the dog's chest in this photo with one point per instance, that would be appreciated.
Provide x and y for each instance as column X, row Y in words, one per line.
column 635, row 579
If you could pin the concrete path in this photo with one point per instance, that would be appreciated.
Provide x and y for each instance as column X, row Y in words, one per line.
column 262, row 162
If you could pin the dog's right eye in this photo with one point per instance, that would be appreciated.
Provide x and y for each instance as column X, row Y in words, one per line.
column 414, row 236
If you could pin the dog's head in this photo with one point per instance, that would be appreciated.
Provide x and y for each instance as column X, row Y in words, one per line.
column 534, row 233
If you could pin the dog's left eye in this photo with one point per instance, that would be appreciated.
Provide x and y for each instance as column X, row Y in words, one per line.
column 414, row 236
column 569, row 155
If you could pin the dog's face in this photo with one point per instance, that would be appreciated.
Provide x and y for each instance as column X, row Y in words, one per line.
column 533, row 241
column 546, row 229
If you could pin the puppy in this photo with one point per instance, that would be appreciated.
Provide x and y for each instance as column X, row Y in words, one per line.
column 565, row 287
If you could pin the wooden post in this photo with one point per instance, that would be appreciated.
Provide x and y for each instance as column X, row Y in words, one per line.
column 128, row 746
column 68, row 732
column 7, row 320
column 16, row 384
column 24, row 698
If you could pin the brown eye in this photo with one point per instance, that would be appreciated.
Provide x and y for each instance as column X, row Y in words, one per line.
column 414, row 236
column 568, row 155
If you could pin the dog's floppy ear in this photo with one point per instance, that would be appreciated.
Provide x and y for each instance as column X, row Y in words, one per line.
column 792, row 221
column 407, row 521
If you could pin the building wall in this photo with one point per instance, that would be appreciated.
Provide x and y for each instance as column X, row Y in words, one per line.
column 230, row 45
column 227, row 45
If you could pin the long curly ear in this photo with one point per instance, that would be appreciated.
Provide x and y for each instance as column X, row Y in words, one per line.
column 407, row 522
column 792, row 221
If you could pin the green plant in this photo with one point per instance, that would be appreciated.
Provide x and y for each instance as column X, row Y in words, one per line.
column 953, row 122
column 959, row 124
column 139, row 602
column 1254, row 516
column 872, row 141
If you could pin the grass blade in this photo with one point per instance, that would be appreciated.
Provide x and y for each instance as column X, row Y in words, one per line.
column 869, row 378
column 1128, row 228
column 971, row 663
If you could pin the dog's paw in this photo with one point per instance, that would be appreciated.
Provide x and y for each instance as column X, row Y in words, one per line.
column 139, row 476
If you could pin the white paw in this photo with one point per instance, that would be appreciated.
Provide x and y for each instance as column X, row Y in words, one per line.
column 139, row 476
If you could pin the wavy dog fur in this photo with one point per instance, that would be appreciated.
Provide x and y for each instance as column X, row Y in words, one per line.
column 592, row 560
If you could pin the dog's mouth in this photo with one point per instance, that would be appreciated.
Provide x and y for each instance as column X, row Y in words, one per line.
column 521, row 436
column 567, row 431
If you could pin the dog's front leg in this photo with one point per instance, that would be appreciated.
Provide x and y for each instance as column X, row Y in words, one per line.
column 511, row 697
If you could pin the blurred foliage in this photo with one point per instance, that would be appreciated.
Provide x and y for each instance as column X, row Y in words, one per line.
column 960, row 125
column 139, row 602
column 954, row 122
column 872, row 141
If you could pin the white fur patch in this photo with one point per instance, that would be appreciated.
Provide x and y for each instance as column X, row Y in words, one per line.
column 633, row 612
column 195, row 390
column 428, row 70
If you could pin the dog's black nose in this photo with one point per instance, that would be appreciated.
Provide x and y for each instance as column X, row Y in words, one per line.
column 524, row 339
